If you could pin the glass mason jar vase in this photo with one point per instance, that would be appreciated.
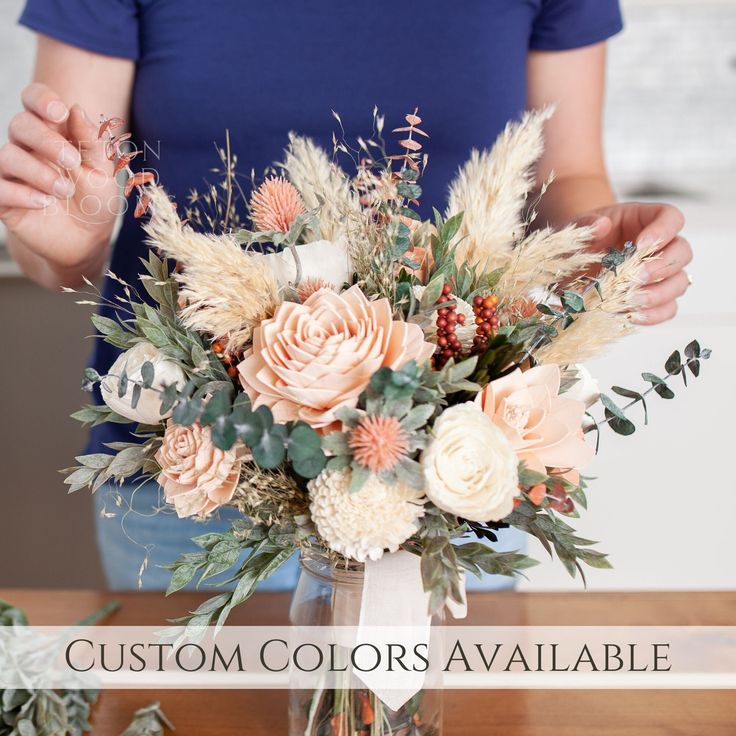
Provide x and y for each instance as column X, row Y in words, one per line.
column 328, row 595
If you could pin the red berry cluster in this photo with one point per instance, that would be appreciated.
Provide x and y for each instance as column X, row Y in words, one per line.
column 448, row 344
column 486, row 320
column 230, row 360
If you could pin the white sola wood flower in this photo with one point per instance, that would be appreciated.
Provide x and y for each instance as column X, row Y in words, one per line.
column 470, row 468
column 362, row 525
column 148, row 407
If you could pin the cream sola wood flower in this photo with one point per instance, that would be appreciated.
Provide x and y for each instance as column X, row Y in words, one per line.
column 470, row 467
column 364, row 524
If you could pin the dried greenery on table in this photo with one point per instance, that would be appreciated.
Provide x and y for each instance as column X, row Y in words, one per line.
column 63, row 712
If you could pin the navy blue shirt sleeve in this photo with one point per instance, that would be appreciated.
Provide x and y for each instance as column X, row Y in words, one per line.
column 570, row 24
column 104, row 26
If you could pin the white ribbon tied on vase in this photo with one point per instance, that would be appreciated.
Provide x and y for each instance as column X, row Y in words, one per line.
column 394, row 609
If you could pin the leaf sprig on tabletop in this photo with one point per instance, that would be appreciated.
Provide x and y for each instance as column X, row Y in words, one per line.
column 149, row 721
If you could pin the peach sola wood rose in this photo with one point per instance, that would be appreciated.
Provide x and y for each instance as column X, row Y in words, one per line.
column 311, row 359
column 543, row 427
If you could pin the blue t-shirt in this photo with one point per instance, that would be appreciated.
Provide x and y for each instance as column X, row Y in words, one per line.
column 261, row 69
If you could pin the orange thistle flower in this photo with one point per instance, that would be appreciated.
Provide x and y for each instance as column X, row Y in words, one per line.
column 275, row 205
column 378, row 443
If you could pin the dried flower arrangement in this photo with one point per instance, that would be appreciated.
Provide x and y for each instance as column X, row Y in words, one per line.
column 352, row 378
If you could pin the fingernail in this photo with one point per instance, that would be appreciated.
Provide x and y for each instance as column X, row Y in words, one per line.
column 42, row 200
column 57, row 111
column 639, row 318
column 63, row 188
column 69, row 158
column 641, row 299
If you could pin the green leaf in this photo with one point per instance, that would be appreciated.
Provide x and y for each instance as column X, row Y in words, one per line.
column 247, row 424
column 122, row 384
column 269, row 452
column 408, row 212
column 224, row 435
column 573, row 301
column 692, row 350
column 303, row 442
column 409, row 190
column 187, row 412
column 417, row 417
column 664, row 391
column 310, row 467
column 97, row 460
column 217, row 406
column 358, row 477
column 451, row 226
column 181, row 577
column 620, row 424
column 336, row 443
column 635, row 395
column 135, row 396
column 674, row 363
column 147, row 374
column 432, row 293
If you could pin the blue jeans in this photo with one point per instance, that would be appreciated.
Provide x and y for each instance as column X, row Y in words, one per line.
column 133, row 525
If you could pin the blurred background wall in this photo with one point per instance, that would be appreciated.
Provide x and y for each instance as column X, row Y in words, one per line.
column 663, row 505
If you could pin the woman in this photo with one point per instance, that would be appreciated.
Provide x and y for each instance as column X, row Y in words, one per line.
column 182, row 72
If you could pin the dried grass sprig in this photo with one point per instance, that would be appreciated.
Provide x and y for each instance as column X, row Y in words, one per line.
column 269, row 496
column 227, row 290
column 321, row 183
column 547, row 257
column 492, row 189
column 607, row 315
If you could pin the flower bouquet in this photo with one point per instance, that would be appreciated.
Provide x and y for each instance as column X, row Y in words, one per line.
column 360, row 383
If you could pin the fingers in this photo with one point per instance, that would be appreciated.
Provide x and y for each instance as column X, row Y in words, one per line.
column 18, row 165
column 660, row 224
column 14, row 195
column 29, row 131
column 671, row 260
column 83, row 133
column 663, row 292
column 656, row 315
column 44, row 102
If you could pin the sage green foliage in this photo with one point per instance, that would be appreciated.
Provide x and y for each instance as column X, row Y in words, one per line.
column 615, row 415
column 442, row 558
column 465, row 279
column 208, row 396
column 266, row 547
column 41, row 712
column 148, row 721
column 413, row 395
column 558, row 536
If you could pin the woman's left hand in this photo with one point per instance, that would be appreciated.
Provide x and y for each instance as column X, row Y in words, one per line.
column 644, row 224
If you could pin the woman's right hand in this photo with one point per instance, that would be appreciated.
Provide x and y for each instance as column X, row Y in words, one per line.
column 57, row 193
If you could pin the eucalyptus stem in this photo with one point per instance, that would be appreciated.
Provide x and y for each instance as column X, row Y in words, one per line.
column 643, row 394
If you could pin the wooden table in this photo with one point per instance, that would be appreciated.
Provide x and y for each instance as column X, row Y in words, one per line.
column 486, row 712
